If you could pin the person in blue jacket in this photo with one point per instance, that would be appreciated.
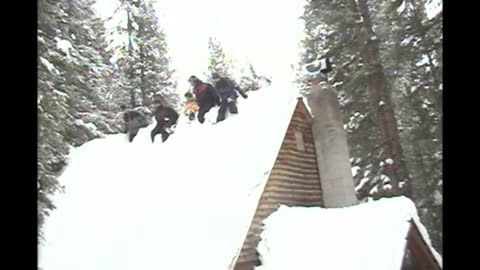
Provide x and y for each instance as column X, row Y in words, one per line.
column 227, row 91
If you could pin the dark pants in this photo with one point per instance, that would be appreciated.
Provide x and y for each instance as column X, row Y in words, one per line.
column 202, row 111
column 133, row 126
column 160, row 128
column 224, row 105
column 132, row 134
column 191, row 116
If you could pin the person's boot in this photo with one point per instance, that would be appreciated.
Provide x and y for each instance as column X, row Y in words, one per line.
column 165, row 136
column 131, row 136
column 233, row 108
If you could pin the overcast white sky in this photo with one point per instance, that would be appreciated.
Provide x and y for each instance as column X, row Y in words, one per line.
column 267, row 33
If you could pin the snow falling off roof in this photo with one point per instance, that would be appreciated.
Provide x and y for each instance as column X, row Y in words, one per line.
column 185, row 204
column 369, row 236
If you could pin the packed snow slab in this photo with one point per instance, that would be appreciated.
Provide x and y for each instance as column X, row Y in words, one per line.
column 369, row 236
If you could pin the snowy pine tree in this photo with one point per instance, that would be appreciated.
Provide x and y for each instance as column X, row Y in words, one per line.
column 72, row 92
column 142, row 56
column 413, row 59
column 218, row 62
column 331, row 34
column 397, row 39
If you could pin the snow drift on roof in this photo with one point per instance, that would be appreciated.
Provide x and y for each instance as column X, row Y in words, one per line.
column 370, row 236
column 185, row 204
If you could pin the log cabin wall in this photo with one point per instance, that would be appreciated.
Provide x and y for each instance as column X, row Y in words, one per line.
column 294, row 181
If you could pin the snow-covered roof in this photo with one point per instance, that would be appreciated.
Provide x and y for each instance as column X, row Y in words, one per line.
column 368, row 236
column 183, row 204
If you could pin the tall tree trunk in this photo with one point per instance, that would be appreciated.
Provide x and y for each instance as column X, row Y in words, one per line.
column 130, row 53
column 143, row 83
column 380, row 98
column 420, row 188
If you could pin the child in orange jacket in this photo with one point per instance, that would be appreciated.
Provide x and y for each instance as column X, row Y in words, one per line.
column 191, row 106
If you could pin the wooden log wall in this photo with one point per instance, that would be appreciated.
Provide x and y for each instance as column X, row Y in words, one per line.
column 294, row 181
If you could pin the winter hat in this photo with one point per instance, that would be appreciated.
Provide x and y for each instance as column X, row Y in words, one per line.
column 215, row 76
column 192, row 79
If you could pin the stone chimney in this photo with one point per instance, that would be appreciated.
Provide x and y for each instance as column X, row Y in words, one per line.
column 331, row 147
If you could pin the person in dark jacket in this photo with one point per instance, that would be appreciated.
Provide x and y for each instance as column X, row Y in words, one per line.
column 166, row 117
column 133, row 120
column 206, row 96
column 227, row 91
